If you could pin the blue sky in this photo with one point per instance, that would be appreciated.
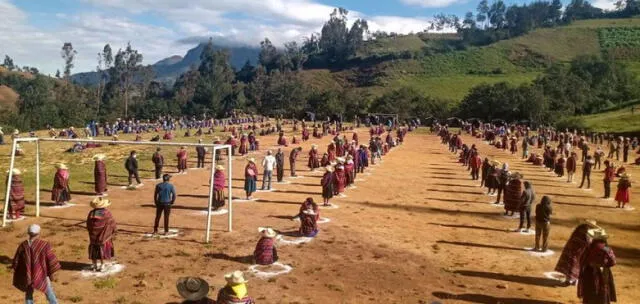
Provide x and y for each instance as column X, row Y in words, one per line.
column 34, row 30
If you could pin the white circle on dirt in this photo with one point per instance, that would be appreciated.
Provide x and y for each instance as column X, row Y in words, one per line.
column 511, row 217
column 628, row 208
column 269, row 190
column 539, row 253
column 323, row 220
column 21, row 218
column 107, row 270
column 213, row 212
column 293, row 241
column 283, row 269
column 331, row 206
column 61, row 206
column 235, row 200
column 173, row 233
column 527, row 232
column 554, row 275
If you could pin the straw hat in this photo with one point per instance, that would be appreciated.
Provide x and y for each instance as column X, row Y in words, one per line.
column 516, row 175
column 340, row 159
column 235, row 278
column 625, row 176
column 598, row 234
column 220, row 167
column 309, row 211
column 495, row 163
column 61, row 166
column 100, row 202
column 329, row 168
column 16, row 132
column 89, row 138
column 267, row 232
column 15, row 171
column 590, row 222
column 192, row 288
column 314, row 146
column 99, row 157
column 251, row 160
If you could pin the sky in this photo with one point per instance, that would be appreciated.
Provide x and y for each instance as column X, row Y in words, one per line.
column 33, row 31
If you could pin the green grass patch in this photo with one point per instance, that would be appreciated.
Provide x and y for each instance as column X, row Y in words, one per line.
column 107, row 283
column 615, row 121
column 600, row 23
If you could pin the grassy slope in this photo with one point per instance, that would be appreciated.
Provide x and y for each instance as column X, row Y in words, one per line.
column 450, row 75
column 615, row 121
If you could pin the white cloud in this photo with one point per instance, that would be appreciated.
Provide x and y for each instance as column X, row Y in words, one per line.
column 431, row 3
column 605, row 4
column 398, row 24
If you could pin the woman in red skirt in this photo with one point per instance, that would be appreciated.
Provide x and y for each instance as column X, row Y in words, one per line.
column 623, row 196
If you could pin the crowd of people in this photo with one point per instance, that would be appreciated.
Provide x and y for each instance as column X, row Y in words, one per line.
column 586, row 259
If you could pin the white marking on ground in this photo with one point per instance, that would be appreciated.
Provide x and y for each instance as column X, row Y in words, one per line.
column 323, row 220
column 217, row 212
column 173, row 233
column 235, row 200
column 527, row 232
column 331, row 206
column 68, row 205
column 107, row 270
column 538, row 253
column 21, row 218
column 294, row 241
column 270, row 190
column 269, row 274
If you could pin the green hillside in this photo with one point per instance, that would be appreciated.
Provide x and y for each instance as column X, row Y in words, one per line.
column 422, row 61
column 615, row 121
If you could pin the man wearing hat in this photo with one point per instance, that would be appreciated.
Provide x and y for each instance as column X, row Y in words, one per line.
column 100, row 174
column 158, row 163
column 16, row 194
column 218, row 187
column 164, row 197
column 596, row 284
column 193, row 290
column 268, row 163
column 201, row 152
column 235, row 292
column 279, row 165
column 131, row 164
column 102, row 228
column 61, row 194
column 265, row 252
column 34, row 266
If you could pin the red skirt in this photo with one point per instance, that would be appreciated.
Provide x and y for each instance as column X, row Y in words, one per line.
column 622, row 195
column 101, row 252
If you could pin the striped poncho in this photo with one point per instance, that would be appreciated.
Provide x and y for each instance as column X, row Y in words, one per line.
column 32, row 264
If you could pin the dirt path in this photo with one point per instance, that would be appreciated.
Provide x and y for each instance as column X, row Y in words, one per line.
column 416, row 230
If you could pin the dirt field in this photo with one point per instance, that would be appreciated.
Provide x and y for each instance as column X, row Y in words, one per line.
column 417, row 229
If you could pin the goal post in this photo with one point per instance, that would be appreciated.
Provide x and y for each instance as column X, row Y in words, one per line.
column 215, row 149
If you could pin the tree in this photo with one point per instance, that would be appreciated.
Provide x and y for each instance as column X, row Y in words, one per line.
column 496, row 14
column 8, row 63
column 105, row 61
column 126, row 64
column 356, row 35
column 246, row 73
column 311, row 44
column 483, row 11
column 185, row 87
column 469, row 22
column 58, row 74
column 216, row 77
column 295, row 55
column 333, row 39
column 268, row 56
column 68, row 54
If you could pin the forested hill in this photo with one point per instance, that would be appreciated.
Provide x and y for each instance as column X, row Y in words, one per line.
column 169, row 69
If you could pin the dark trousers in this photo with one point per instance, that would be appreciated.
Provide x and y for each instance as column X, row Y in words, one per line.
column 166, row 209
column 525, row 212
column 280, row 173
column 158, row 172
column 133, row 175
column 293, row 168
column 588, row 177
column 200, row 161
column 360, row 169
column 542, row 229
column 474, row 173
column 500, row 191
column 607, row 189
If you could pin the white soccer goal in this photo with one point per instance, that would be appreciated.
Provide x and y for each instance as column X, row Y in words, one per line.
column 215, row 148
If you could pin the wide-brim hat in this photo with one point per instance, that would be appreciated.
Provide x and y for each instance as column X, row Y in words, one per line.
column 329, row 168
column 235, row 278
column 516, row 175
column 192, row 288
column 314, row 146
column 100, row 202
column 61, row 166
column 251, row 160
column 267, row 232
column 16, row 132
column 340, row 159
column 591, row 222
column 625, row 176
column 220, row 167
column 597, row 234
column 99, row 157
column 15, row 171
column 495, row 163
column 309, row 211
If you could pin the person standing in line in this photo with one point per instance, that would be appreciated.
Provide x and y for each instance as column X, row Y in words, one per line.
column 164, row 197
column 102, row 228
column 61, row 193
column 280, row 165
column 250, row 177
column 586, row 172
column 543, row 223
column 527, row 199
column 571, row 167
column 201, row 152
column 596, row 284
column 131, row 164
column 158, row 163
column 609, row 176
column 34, row 266
column 182, row 160
column 626, row 145
column 597, row 155
column 100, row 174
column 623, row 195
column 293, row 156
column 16, row 195
column 268, row 163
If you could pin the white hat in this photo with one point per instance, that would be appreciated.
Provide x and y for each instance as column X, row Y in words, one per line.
column 267, row 232
column 33, row 229
column 235, row 278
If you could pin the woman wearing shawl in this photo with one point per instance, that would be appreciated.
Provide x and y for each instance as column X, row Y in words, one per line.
column 308, row 223
column 235, row 292
column 100, row 174
column 101, row 227
column 331, row 150
column 623, row 195
column 513, row 194
column 570, row 261
column 313, row 158
column 340, row 177
column 327, row 185
column 252, row 141
column 250, row 177
column 182, row 160
column 493, row 183
column 485, row 171
column 265, row 252
column 559, row 166
column 61, row 194
column 596, row 284
column 325, row 160
column 244, row 145
column 218, row 187
column 16, row 195
column 349, row 169
column 282, row 141
column 305, row 134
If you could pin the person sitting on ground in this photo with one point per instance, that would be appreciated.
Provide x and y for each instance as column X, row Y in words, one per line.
column 194, row 290
column 308, row 223
column 265, row 252
column 235, row 292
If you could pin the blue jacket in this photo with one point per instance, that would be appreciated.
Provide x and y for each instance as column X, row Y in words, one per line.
column 165, row 194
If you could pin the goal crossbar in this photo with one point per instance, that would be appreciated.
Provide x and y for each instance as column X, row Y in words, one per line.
column 216, row 148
